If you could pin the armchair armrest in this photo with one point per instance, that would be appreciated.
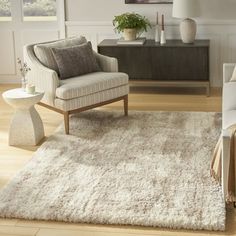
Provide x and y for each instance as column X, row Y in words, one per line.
column 44, row 79
column 228, row 69
column 226, row 136
column 107, row 64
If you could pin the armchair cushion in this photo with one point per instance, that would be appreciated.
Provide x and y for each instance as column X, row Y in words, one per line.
column 44, row 54
column 91, row 99
column 76, row 60
column 89, row 84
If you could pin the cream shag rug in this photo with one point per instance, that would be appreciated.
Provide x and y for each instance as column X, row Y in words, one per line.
column 149, row 169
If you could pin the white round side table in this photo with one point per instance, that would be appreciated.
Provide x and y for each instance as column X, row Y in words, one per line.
column 26, row 126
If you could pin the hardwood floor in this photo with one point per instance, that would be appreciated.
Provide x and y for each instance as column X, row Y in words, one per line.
column 13, row 159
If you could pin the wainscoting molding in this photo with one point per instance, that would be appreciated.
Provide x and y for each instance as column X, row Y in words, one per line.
column 221, row 33
column 222, row 49
column 16, row 33
column 7, row 52
column 11, row 45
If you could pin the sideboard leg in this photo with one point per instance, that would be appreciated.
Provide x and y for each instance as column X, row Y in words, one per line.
column 66, row 122
column 126, row 101
column 208, row 90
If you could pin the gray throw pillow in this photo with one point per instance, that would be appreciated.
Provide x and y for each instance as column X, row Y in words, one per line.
column 76, row 60
column 43, row 51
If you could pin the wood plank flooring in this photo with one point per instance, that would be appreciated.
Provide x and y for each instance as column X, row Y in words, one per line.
column 12, row 159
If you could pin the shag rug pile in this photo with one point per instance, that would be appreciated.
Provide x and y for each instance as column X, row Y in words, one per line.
column 149, row 169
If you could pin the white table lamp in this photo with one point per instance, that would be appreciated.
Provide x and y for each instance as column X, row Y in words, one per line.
column 186, row 9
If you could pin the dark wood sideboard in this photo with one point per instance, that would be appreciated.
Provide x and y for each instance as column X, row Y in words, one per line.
column 174, row 64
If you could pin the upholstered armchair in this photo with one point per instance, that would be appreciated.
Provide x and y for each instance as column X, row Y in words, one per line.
column 79, row 93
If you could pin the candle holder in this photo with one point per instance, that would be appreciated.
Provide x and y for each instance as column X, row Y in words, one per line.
column 30, row 89
column 157, row 35
column 163, row 37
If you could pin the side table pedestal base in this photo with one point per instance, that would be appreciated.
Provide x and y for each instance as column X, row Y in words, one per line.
column 26, row 128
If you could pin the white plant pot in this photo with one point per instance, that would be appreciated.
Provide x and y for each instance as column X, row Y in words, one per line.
column 129, row 34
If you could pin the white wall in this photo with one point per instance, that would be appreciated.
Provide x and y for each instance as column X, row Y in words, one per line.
column 17, row 33
column 104, row 10
column 93, row 18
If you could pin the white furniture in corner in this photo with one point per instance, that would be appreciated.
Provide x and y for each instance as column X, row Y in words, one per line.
column 228, row 119
column 26, row 126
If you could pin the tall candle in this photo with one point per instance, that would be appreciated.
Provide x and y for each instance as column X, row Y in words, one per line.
column 162, row 23
column 157, row 19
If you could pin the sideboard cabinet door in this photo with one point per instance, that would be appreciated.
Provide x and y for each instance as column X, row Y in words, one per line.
column 135, row 61
column 179, row 63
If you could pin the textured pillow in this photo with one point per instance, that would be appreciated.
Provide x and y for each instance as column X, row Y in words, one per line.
column 44, row 51
column 233, row 78
column 76, row 60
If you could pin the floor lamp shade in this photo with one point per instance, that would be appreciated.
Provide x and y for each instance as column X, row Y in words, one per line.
column 187, row 9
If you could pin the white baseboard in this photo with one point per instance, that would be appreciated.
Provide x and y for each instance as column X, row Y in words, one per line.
column 9, row 81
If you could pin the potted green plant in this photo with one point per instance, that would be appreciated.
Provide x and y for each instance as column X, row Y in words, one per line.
column 131, row 24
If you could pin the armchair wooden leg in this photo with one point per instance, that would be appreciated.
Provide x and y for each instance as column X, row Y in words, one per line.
column 66, row 122
column 126, row 105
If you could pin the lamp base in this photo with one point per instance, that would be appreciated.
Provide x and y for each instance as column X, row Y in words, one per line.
column 188, row 30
